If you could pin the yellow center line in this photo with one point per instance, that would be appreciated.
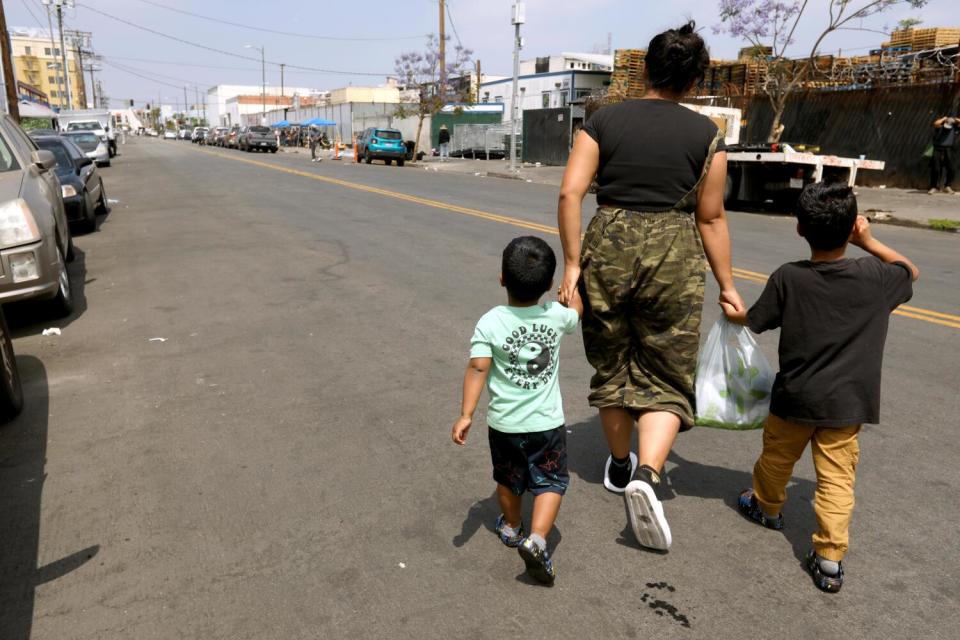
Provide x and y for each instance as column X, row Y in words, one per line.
column 935, row 317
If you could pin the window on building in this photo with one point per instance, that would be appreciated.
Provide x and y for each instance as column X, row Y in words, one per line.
column 46, row 51
column 545, row 96
column 27, row 51
column 53, row 93
column 51, row 80
column 498, row 98
column 56, row 51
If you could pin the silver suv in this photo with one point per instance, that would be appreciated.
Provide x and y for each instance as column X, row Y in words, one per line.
column 35, row 241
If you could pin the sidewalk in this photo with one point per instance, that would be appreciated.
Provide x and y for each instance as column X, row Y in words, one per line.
column 905, row 207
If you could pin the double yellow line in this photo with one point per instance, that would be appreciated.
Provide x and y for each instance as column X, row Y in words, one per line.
column 934, row 317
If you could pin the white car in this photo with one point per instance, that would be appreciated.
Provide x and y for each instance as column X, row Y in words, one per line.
column 92, row 126
column 91, row 145
column 169, row 134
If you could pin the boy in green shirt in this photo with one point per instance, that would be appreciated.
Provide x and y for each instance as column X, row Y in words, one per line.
column 515, row 352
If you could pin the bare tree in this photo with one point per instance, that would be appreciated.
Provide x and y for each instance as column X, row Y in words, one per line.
column 419, row 73
column 770, row 25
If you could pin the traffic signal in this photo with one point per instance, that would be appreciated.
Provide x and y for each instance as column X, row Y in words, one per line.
column 131, row 103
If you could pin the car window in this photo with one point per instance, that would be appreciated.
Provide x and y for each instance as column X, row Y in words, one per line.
column 388, row 135
column 7, row 161
column 260, row 129
column 59, row 151
column 75, row 152
column 84, row 126
column 83, row 138
column 22, row 144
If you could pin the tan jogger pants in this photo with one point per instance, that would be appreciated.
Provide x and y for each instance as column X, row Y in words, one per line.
column 835, row 457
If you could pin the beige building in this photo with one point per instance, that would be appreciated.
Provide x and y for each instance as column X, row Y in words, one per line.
column 36, row 62
column 388, row 94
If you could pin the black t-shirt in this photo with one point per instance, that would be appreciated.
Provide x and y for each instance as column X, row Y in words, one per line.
column 833, row 319
column 652, row 152
column 444, row 136
column 946, row 134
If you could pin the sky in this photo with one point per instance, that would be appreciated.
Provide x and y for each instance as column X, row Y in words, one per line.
column 145, row 67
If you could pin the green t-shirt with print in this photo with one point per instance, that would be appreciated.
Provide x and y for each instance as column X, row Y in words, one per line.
column 524, row 344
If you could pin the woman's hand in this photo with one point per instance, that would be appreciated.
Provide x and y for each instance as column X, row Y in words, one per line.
column 568, row 287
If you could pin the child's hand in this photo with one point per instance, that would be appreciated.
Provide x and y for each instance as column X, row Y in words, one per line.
column 734, row 315
column 461, row 428
column 861, row 235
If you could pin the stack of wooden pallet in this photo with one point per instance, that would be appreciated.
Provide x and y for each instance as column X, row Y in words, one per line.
column 628, row 81
column 923, row 39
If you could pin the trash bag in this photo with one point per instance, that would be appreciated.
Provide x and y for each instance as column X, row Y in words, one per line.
column 734, row 379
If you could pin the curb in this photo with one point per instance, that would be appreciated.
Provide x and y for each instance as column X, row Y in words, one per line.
column 885, row 217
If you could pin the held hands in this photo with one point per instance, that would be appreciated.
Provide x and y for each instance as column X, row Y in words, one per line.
column 733, row 307
column 460, row 429
column 861, row 234
column 568, row 287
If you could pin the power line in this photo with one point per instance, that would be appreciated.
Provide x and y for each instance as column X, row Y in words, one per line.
column 227, row 53
column 26, row 6
column 140, row 75
column 126, row 67
column 182, row 64
column 453, row 26
column 276, row 31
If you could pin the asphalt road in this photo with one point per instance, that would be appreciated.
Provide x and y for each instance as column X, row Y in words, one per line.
column 243, row 432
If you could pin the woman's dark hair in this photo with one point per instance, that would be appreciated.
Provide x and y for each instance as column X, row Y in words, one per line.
column 677, row 59
column 527, row 268
column 826, row 214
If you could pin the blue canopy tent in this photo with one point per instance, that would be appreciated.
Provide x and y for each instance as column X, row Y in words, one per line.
column 318, row 122
column 283, row 124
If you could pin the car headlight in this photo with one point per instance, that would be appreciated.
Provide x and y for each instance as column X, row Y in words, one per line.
column 68, row 190
column 17, row 225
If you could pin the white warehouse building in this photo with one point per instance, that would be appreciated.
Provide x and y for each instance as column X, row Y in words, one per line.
column 551, row 81
column 218, row 96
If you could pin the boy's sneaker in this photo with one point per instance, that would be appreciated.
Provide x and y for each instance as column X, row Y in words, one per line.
column 750, row 508
column 511, row 541
column 824, row 581
column 615, row 477
column 646, row 511
column 537, row 559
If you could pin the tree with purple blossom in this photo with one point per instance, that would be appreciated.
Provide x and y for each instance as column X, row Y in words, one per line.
column 420, row 77
column 770, row 25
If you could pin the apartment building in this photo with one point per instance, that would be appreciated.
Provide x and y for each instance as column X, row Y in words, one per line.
column 37, row 62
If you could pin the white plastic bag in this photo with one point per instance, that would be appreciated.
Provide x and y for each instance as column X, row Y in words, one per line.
column 734, row 379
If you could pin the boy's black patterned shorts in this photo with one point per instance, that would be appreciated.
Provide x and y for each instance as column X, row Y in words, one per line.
column 534, row 462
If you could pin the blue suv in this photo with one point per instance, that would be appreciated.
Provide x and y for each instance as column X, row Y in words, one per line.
column 381, row 144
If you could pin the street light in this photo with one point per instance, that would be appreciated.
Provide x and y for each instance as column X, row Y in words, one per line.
column 263, row 85
column 517, row 18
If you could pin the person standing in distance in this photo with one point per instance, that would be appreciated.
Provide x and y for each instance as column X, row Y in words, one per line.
column 945, row 133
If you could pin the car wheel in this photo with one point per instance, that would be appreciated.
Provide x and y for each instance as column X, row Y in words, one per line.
column 62, row 303
column 388, row 162
column 11, row 390
column 88, row 222
column 366, row 157
column 71, row 253
column 400, row 162
column 103, row 207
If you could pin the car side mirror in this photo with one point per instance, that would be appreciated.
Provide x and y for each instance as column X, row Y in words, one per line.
column 84, row 161
column 43, row 159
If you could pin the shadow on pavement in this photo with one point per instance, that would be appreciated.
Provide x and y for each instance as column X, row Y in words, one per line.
column 484, row 513
column 23, row 447
column 31, row 317
column 588, row 451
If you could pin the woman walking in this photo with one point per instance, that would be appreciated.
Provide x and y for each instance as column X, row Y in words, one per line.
column 660, row 170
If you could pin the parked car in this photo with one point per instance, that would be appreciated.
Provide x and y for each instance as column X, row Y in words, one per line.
column 220, row 135
column 183, row 134
column 80, row 182
column 258, row 138
column 35, row 240
column 90, row 144
column 11, row 391
column 150, row 131
column 381, row 144
column 230, row 140
column 93, row 126
column 169, row 134
column 210, row 137
column 198, row 134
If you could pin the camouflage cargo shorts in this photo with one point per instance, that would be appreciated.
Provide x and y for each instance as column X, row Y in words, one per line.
column 642, row 286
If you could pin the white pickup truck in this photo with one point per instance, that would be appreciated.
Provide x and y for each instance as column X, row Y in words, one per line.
column 776, row 172
column 99, row 121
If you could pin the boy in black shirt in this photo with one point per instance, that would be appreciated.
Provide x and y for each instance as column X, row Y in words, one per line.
column 833, row 314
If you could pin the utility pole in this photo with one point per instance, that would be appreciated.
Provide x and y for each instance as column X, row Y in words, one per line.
column 82, row 89
column 63, row 49
column 13, row 101
column 185, row 104
column 443, row 52
column 282, row 65
column 53, row 48
column 519, row 17
column 479, row 81
column 93, row 88
column 263, row 79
